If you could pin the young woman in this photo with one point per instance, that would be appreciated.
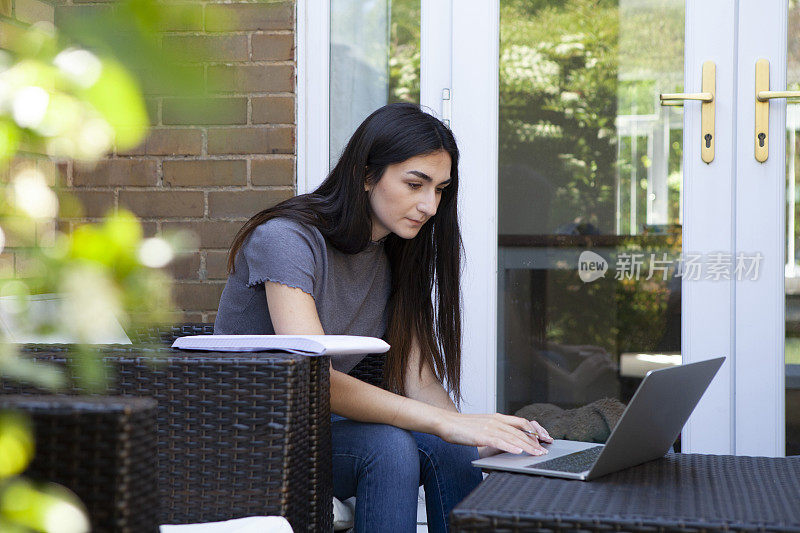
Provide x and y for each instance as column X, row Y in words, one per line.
column 375, row 251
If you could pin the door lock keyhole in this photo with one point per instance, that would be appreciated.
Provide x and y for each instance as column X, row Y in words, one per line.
column 761, row 137
column 708, row 140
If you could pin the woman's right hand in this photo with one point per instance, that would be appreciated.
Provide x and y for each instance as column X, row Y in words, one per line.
column 503, row 432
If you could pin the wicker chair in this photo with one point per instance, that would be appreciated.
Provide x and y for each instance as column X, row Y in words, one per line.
column 101, row 448
column 370, row 369
column 238, row 434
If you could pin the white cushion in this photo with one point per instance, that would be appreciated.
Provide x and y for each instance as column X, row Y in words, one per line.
column 343, row 513
column 251, row 524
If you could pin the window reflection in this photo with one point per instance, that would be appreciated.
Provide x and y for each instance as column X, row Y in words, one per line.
column 589, row 160
column 374, row 60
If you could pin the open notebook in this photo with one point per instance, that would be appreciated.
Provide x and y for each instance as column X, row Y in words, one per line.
column 300, row 344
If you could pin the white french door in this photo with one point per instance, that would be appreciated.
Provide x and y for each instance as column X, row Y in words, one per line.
column 729, row 212
column 566, row 150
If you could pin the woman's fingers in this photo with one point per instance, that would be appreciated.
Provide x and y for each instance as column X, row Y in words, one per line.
column 541, row 432
column 512, row 444
column 522, row 440
column 500, row 444
column 528, row 425
column 503, row 432
column 508, row 439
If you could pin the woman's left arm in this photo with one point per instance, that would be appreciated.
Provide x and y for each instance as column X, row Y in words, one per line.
column 422, row 385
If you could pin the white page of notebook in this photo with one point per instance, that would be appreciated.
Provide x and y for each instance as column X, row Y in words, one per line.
column 309, row 344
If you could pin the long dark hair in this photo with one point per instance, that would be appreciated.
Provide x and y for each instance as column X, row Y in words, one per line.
column 425, row 297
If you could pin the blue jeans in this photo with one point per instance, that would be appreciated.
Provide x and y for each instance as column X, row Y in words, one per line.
column 383, row 467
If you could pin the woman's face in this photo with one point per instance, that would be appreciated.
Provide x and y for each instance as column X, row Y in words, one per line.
column 408, row 195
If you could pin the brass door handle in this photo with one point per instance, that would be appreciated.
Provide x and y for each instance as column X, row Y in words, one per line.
column 667, row 97
column 707, row 98
column 763, row 96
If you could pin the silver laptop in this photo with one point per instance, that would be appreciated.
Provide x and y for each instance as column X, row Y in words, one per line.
column 648, row 427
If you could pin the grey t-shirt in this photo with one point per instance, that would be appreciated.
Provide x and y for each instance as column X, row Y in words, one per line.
column 351, row 291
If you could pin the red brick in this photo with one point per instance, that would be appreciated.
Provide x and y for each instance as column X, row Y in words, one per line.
column 183, row 173
column 197, row 295
column 273, row 110
column 244, row 204
column 164, row 141
column 95, row 204
column 62, row 225
column 111, row 172
column 185, row 267
column 210, row 233
column 181, row 17
column 250, row 78
column 204, row 111
column 149, row 229
column 72, row 16
column 32, row 11
column 46, row 233
column 180, row 78
column 6, row 265
column 199, row 48
column 217, row 264
column 272, row 172
column 22, row 162
column 10, row 33
column 152, row 105
column 163, row 204
column 19, row 231
column 196, row 317
column 271, row 47
column 26, row 266
column 257, row 16
column 254, row 140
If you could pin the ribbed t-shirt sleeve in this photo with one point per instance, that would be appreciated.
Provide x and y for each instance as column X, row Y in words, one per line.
column 282, row 251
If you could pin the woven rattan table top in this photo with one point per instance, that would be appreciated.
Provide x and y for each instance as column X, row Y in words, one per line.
column 686, row 492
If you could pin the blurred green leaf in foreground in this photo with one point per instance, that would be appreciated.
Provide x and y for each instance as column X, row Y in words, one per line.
column 73, row 95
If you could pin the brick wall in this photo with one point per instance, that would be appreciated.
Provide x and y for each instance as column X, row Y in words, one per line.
column 15, row 16
column 203, row 168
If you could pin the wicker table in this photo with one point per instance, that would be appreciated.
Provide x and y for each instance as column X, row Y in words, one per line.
column 680, row 492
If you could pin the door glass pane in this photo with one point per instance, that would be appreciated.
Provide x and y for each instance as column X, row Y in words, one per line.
column 793, row 238
column 374, row 60
column 590, row 172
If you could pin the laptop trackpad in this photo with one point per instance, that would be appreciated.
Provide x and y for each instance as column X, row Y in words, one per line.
column 523, row 460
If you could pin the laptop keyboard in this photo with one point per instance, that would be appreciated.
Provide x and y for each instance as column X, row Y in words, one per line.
column 573, row 462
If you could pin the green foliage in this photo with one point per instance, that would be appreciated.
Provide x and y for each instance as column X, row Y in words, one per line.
column 72, row 96
column 569, row 71
column 558, row 103
column 404, row 51
column 66, row 103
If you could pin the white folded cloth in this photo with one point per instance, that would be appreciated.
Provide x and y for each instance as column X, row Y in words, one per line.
column 343, row 513
column 251, row 524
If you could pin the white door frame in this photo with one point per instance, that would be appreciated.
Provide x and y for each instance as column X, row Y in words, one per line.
column 312, row 50
column 707, row 325
column 760, row 227
column 476, row 42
